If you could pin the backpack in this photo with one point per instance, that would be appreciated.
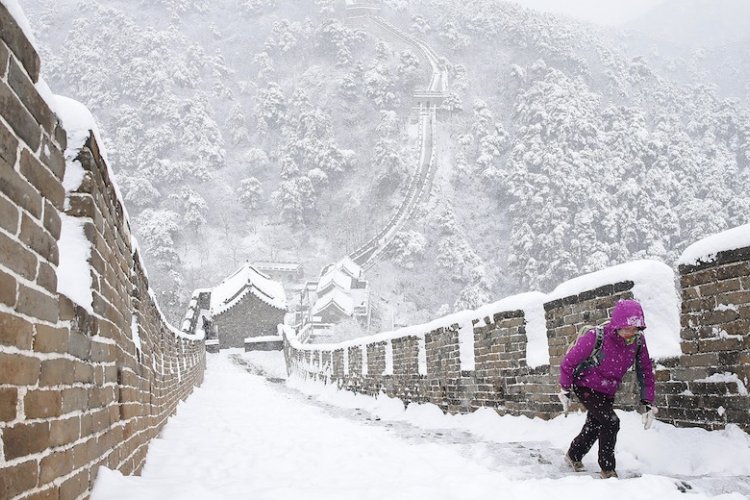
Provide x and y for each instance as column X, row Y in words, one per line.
column 596, row 356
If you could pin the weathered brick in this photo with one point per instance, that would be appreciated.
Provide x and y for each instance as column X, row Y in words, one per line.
column 51, row 492
column 17, row 258
column 19, row 117
column 64, row 431
column 25, row 439
column 8, row 146
column 79, row 345
column 42, row 404
column 82, row 205
column 54, row 465
column 19, row 190
column 15, row 331
column 61, row 137
column 37, row 304
column 4, row 56
column 85, row 452
column 39, row 240
column 16, row 369
column 8, row 215
column 42, row 179
column 698, row 278
column 7, row 289
column 56, row 372
column 721, row 344
column 84, row 373
column 19, row 478
column 51, row 220
column 16, row 40
column 47, row 277
column 75, row 399
column 30, row 97
column 49, row 339
column 8, row 400
column 75, row 486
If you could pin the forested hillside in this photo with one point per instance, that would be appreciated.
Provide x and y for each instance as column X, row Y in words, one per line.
column 262, row 129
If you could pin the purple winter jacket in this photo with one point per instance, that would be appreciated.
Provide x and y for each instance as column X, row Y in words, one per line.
column 617, row 357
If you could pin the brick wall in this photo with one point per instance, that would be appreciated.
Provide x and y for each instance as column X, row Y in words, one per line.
column 75, row 390
column 705, row 386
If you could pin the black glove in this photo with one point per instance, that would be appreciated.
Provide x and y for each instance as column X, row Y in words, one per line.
column 646, row 405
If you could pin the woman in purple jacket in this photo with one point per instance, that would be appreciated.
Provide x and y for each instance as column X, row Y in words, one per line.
column 596, row 383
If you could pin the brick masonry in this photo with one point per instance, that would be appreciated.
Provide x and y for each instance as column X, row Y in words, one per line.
column 703, row 387
column 75, row 391
column 249, row 316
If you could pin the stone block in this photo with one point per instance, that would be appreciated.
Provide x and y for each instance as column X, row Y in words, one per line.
column 56, row 372
column 76, row 485
column 42, row 179
column 17, row 369
column 16, row 40
column 18, row 190
column 8, row 215
column 18, row 117
column 8, row 145
column 14, row 331
column 51, row 155
column 42, row 404
column 50, row 339
column 54, row 465
column 16, row 257
column 24, row 88
column 4, row 56
column 715, row 288
column 75, row 399
column 47, row 277
column 25, row 439
column 19, row 478
column 37, row 304
column 64, row 431
column 721, row 344
column 79, row 345
column 51, row 220
column 8, row 401
column 35, row 237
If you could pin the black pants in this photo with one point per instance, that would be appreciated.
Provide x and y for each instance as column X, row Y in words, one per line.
column 601, row 423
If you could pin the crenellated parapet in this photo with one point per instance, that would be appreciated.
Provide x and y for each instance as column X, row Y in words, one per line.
column 506, row 355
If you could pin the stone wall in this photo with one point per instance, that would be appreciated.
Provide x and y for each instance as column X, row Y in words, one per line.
column 704, row 386
column 78, row 389
column 250, row 317
column 708, row 383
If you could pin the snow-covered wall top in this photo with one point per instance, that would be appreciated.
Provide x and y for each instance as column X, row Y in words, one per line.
column 653, row 286
column 705, row 250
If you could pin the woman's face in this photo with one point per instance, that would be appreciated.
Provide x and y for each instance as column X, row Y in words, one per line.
column 629, row 333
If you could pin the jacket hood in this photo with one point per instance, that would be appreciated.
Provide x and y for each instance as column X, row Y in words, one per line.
column 627, row 313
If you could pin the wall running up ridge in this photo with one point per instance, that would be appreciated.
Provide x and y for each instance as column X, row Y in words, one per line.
column 78, row 389
column 703, row 384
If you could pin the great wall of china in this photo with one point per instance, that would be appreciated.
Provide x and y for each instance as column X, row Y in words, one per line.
column 81, row 389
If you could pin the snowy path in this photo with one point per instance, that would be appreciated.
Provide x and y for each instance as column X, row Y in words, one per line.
column 246, row 435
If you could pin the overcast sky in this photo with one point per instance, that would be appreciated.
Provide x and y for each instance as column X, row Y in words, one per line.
column 608, row 12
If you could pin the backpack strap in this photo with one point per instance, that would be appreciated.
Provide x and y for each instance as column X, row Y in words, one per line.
column 595, row 358
column 596, row 352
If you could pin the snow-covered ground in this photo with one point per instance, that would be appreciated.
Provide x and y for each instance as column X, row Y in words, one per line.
column 249, row 433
